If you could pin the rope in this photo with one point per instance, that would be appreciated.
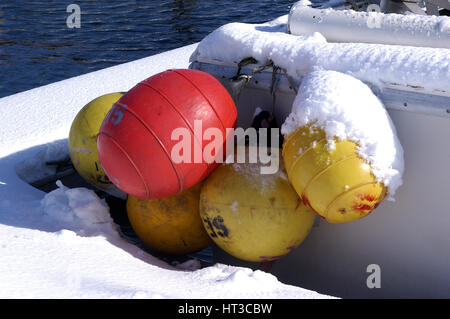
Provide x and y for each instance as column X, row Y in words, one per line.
column 269, row 64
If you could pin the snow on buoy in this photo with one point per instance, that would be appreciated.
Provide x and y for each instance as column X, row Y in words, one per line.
column 136, row 138
column 341, row 151
column 253, row 216
column 171, row 225
column 83, row 142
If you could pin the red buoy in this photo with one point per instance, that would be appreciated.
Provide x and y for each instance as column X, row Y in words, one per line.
column 136, row 138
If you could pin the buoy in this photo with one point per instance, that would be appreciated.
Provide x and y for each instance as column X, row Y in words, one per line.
column 83, row 142
column 333, row 181
column 253, row 216
column 137, row 137
column 171, row 225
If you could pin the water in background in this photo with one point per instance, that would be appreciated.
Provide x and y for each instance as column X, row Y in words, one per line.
column 37, row 47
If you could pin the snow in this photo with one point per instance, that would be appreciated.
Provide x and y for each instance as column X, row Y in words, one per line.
column 64, row 244
column 191, row 264
column 302, row 3
column 378, row 65
column 412, row 22
column 444, row 25
column 79, row 207
column 371, row 26
column 346, row 108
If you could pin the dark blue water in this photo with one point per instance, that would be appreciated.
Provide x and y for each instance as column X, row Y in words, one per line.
column 37, row 47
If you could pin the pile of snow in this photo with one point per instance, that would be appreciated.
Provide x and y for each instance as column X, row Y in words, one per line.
column 346, row 108
column 373, row 63
column 79, row 209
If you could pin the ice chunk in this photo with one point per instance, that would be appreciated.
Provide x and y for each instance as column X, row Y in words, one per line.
column 80, row 208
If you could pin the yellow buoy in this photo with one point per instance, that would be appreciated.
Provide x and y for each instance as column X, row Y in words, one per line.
column 331, row 179
column 172, row 224
column 253, row 216
column 83, row 142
